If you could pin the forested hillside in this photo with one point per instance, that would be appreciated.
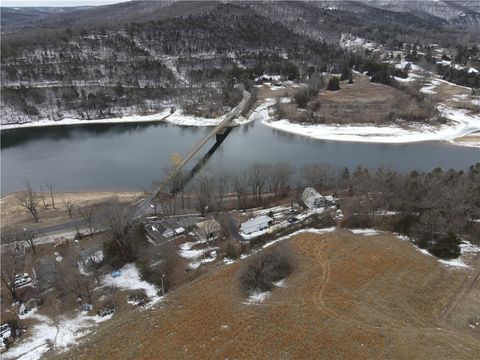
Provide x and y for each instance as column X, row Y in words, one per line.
column 137, row 57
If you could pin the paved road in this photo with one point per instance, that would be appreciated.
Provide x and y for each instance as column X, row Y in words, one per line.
column 232, row 225
column 79, row 223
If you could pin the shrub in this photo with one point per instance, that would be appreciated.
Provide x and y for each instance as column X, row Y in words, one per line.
column 360, row 221
column 403, row 224
column 333, row 84
column 301, row 98
column 447, row 247
column 263, row 269
column 138, row 297
column 322, row 221
column 232, row 252
column 346, row 73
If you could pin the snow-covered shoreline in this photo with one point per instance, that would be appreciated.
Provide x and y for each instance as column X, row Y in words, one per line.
column 461, row 124
column 177, row 118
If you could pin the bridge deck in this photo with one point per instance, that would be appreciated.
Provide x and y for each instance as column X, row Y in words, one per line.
column 225, row 122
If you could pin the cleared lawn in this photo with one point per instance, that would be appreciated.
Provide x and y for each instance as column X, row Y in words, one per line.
column 350, row 297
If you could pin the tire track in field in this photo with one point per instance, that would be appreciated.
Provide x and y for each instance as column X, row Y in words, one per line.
column 391, row 325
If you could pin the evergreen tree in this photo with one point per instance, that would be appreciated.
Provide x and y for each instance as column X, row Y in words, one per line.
column 333, row 84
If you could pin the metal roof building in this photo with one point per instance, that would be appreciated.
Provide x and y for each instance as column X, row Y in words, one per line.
column 256, row 224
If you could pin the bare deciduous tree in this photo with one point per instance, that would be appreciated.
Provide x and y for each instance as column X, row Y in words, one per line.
column 240, row 186
column 204, row 192
column 120, row 226
column 89, row 214
column 30, row 239
column 280, row 178
column 70, row 280
column 258, row 177
column 13, row 260
column 28, row 200
column 221, row 188
column 50, row 188
column 69, row 205
column 42, row 196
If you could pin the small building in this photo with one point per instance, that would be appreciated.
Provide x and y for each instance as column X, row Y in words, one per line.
column 162, row 230
column 256, row 224
column 313, row 199
column 208, row 229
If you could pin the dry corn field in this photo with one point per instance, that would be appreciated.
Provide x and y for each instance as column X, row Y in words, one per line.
column 350, row 297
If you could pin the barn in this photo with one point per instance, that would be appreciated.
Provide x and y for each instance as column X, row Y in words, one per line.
column 256, row 224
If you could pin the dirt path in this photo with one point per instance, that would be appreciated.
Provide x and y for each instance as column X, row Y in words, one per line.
column 455, row 300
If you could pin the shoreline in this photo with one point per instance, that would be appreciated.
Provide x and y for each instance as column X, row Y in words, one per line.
column 177, row 118
column 462, row 124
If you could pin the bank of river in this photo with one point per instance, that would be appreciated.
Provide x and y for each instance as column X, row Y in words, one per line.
column 133, row 156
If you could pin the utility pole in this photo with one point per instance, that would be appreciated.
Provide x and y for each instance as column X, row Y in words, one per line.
column 163, row 289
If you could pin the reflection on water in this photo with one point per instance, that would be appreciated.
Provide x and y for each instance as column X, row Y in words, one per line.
column 132, row 156
column 16, row 137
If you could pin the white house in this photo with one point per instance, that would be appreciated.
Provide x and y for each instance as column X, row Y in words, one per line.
column 256, row 224
column 313, row 199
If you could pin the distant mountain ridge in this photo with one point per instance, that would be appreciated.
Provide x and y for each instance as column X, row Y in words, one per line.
column 134, row 57
column 456, row 13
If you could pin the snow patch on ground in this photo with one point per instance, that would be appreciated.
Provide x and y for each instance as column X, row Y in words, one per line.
column 350, row 41
column 385, row 213
column 466, row 248
column 280, row 283
column 454, row 262
column 198, row 257
column 302, row 231
column 365, row 232
column 430, row 89
column 257, row 297
column 261, row 113
column 48, row 334
column 130, row 279
column 228, row 261
column 266, row 77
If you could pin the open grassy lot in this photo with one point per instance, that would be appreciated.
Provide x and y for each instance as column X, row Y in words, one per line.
column 350, row 297
column 14, row 217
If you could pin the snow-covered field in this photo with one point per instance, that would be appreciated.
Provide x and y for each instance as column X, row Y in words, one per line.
column 58, row 334
column 62, row 332
column 461, row 124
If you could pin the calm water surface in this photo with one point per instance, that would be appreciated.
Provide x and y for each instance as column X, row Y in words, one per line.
column 132, row 156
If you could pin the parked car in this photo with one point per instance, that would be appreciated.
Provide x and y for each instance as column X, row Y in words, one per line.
column 107, row 309
column 21, row 280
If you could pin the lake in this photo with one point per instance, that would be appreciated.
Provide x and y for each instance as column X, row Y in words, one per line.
column 133, row 156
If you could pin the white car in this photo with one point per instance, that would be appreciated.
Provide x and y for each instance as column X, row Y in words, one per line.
column 21, row 280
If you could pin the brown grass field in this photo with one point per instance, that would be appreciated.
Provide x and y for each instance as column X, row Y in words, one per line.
column 350, row 297
column 14, row 216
